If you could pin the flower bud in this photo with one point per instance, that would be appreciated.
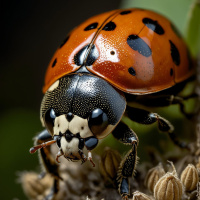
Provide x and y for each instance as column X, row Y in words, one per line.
column 140, row 196
column 168, row 187
column 109, row 164
column 153, row 175
column 190, row 178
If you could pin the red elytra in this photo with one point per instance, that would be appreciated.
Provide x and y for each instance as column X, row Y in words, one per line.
column 139, row 52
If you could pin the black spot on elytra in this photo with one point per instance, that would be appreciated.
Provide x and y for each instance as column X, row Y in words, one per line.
column 132, row 71
column 176, row 31
column 153, row 25
column 82, row 58
column 65, row 40
column 91, row 26
column 171, row 72
column 125, row 12
column 110, row 26
column 174, row 53
column 54, row 63
column 138, row 44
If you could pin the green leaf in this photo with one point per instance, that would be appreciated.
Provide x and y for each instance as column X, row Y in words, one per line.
column 193, row 28
column 175, row 10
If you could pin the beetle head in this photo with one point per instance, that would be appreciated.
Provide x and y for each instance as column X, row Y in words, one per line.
column 78, row 110
column 73, row 132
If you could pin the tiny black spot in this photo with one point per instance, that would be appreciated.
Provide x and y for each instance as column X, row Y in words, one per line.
column 132, row 71
column 82, row 127
column 171, row 72
column 65, row 40
column 110, row 26
column 91, row 26
column 112, row 52
column 176, row 31
column 125, row 12
column 153, row 25
column 174, row 53
column 138, row 44
column 54, row 63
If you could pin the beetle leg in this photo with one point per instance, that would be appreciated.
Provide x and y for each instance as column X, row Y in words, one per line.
column 145, row 117
column 48, row 161
column 127, row 166
column 180, row 101
column 171, row 99
column 163, row 100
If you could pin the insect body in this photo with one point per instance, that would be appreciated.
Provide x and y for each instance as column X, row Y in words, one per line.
column 109, row 60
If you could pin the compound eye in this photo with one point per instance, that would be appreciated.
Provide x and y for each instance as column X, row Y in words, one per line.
column 50, row 116
column 98, row 121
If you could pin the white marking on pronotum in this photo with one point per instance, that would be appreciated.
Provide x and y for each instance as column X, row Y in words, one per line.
column 76, row 125
column 53, row 86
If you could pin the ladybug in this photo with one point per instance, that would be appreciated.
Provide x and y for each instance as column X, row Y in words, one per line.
column 109, row 61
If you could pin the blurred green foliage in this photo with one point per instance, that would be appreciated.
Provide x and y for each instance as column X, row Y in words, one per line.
column 175, row 10
column 193, row 28
column 18, row 127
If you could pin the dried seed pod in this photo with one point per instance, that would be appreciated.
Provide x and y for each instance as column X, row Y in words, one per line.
column 168, row 187
column 153, row 175
column 140, row 196
column 198, row 164
column 190, row 178
column 109, row 164
column 35, row 187
column 198, row 191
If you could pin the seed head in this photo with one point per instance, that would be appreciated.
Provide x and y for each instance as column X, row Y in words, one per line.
column 198, row 164
column 109, row 164
column 140, row 196
column 190, row 178
column 168, row 187
column 153, row 175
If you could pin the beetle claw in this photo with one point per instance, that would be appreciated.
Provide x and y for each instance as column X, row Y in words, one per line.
column 90, row 158
column 83, row 156
column 59, row 154
column 125, row 197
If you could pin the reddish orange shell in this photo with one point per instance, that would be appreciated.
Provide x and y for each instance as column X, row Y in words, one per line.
column 140, row 54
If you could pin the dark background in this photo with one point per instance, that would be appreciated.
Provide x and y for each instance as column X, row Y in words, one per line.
column 31, row 31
